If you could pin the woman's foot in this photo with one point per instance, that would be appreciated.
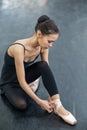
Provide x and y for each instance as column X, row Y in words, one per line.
column 63, row 113
column 34, row 85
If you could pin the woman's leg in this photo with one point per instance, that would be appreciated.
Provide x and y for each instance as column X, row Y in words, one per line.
column 16, row 96
column 42, row 69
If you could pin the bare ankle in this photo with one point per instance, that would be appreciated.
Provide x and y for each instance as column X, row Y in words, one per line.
column 56, row 96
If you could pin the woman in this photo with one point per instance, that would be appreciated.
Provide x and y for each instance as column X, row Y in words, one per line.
column 20, row 69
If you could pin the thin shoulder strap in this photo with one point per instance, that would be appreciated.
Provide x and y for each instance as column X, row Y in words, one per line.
column 21, row 45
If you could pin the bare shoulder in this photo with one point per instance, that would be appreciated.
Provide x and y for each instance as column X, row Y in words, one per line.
column 17, row 52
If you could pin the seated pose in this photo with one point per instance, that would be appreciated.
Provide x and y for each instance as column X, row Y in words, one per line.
column 20, row 73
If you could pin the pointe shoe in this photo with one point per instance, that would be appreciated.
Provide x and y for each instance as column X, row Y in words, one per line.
column 34, row 85
column 68, row 118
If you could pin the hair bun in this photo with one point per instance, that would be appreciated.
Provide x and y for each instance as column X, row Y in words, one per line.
column 42, row 19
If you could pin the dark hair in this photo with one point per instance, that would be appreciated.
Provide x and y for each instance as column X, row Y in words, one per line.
column 46, row 25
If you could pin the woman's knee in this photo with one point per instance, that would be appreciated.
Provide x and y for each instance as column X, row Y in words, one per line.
column 22, row 105
column 43, row 65
column 16, row 99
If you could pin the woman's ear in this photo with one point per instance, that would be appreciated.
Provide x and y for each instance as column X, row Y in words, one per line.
column 39, row 34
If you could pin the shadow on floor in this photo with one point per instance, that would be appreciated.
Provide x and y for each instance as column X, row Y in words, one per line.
column 35, row 112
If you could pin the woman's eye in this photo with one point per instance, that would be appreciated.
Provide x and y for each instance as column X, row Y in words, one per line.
column 50, row 41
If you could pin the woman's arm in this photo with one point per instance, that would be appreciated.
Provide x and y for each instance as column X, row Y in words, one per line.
column 44, row 55
column 18, row 54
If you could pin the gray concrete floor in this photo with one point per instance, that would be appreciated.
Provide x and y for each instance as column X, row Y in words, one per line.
column 68, row 60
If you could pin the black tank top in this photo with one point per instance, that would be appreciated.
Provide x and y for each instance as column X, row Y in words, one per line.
column 8, row 73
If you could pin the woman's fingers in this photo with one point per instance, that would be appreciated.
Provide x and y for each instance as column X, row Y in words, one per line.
column 47, row 106
column 50, row 108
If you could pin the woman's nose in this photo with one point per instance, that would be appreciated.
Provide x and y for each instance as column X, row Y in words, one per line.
column 50, row 45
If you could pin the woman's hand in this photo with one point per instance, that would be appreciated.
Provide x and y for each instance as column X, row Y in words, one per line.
column 45, row 105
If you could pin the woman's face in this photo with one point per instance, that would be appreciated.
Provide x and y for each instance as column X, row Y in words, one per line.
column 46, row 41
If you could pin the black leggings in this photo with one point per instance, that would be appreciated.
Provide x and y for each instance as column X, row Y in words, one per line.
column 18, row 97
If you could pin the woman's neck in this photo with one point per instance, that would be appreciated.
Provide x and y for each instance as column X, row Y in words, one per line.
column 32, row 41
